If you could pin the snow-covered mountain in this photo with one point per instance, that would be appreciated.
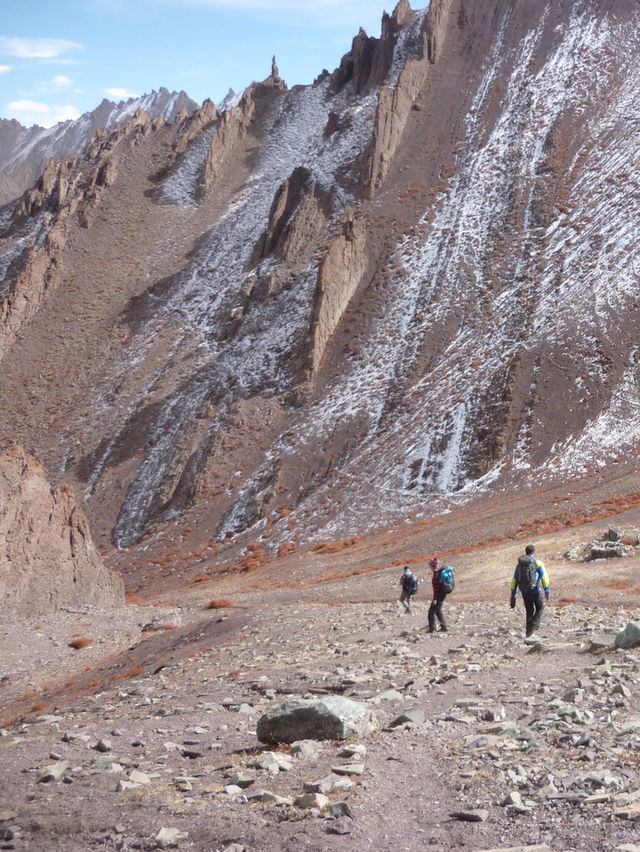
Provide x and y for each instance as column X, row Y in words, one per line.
column 328, row 308
column 24, row 151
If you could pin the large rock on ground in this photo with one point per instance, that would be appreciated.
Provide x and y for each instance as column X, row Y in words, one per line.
column 47, row 557
column 328, row 718
column 630, row 636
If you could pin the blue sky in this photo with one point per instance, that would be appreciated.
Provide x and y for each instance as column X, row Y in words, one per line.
column 60, row 59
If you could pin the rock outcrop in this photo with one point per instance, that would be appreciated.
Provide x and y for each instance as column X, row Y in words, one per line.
column 234, row 125
column 338, row 278
column 41, row 270
column 367, row 63
column 47, row 557
column 190, row 129
column 395, row 103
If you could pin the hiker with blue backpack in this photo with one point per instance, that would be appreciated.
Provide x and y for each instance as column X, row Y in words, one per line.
column 531, row 578
column 409, row 583
column 443, row 583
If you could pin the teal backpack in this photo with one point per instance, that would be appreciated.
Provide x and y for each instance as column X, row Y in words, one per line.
column 447, row 582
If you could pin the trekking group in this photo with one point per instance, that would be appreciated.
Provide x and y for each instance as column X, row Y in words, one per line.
column 530, row 577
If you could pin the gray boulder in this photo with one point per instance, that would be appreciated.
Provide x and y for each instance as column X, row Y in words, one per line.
column 329, row 718
column 630, row 636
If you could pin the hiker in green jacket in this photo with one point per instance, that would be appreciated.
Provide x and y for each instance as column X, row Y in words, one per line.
column 531, row 578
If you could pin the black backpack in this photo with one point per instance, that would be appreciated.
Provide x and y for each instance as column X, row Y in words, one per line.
column 447, row 583
column 410, row 584
column 527, row 574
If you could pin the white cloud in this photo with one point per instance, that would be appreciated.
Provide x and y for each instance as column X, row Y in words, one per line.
column 123, row 94
column 35, row 112
column 37, row 48
column 4, row 69
column 27, row 106
column 56, row 84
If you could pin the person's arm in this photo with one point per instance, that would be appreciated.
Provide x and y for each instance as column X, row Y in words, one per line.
column 544, row 579
column 514, row 586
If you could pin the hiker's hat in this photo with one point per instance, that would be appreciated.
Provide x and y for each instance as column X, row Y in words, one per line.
column 434, row 562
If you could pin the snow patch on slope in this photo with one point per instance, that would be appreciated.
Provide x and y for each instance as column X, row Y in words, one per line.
column 445, row 279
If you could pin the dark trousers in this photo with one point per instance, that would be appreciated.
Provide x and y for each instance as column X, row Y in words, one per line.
column 435, row 611
column 533, row 605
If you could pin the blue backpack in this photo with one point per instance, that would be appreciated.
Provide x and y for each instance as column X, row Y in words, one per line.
column 447, row 583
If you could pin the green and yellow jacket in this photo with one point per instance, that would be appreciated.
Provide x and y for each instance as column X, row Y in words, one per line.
column 543, row 580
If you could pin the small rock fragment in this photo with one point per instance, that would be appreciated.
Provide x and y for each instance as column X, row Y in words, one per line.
column 475, row 815
column 168, row 837
column 54, row 772
column 311, row 800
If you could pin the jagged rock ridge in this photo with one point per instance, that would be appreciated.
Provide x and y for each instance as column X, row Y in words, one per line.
column 381, row 284
column 25, row 151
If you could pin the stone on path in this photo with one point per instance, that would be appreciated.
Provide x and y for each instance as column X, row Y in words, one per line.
column 348, row 769
column 267, row 761
column 306, row 748
column 630, row 636
column 409, row 716
column 137, row 777
column 340, row 826
column 474, row 815
column 540, row 848
column 164, row 620
column 312, row 800
column 328, row 718
column 168, row 837
column 54, row 772
column 630, row 812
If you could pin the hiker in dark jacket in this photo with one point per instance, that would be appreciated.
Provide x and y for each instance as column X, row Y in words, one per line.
column 409, row 583
column 531, row 578
column 435, row 610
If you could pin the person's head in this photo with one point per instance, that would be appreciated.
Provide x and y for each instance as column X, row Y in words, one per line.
column 529, row 550
column 407, row 570
column 434, row 563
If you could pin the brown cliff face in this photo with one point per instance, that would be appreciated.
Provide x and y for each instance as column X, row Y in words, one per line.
column 233, row 127
column 47, row 557
column 394, row 104
column 367, row 63
column 338, row 277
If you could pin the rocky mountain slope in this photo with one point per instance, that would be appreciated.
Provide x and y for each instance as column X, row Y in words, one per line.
column 337, row 307
column 25, row 151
